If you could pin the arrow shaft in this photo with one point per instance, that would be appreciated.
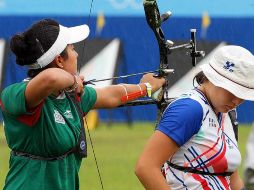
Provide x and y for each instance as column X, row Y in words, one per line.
column 125, row 76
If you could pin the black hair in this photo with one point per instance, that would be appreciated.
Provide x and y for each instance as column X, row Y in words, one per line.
column 34, row 42
column 33, row 72
column 200, row 78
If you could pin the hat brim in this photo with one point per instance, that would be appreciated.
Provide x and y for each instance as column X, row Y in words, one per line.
column 77, row 33
column 225, row 83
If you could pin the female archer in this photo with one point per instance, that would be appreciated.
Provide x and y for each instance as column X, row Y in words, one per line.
column 195, row 140
column 43, row 115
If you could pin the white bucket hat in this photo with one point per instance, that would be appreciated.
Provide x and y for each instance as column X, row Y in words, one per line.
column 232, row 68
column 66, row 36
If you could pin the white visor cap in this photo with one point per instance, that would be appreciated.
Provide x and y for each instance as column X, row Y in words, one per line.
column 232, row 68
column 66, row 36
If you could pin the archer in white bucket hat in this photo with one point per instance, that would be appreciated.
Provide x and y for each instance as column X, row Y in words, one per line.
column 232, row 68
column 200, row 127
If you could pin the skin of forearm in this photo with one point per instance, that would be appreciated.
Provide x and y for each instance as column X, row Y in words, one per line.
column 152, row 179
column 45, row 83
column 110, row 96
column 118, row 90
column 58, row 79
column 236, row 182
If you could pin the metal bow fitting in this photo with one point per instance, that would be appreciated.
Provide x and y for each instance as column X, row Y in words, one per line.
column 166, row 47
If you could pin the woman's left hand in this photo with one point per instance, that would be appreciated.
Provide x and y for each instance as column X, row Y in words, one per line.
column 156, row 83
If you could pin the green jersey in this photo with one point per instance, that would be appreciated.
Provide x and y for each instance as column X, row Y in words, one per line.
column 49, row 130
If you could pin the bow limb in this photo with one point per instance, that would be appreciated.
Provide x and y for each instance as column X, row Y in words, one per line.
column 154, row 20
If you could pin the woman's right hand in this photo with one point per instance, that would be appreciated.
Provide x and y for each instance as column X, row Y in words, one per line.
column 80, row 87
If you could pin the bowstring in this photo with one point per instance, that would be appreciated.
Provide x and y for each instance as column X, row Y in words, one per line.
column 88, row 131
column 95, row 159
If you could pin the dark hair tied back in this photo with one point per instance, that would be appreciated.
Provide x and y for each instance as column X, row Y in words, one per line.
column 19, row 48
column 31, row 44
column 200, row 78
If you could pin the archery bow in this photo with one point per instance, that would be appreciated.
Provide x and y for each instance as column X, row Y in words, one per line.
column 154, row 20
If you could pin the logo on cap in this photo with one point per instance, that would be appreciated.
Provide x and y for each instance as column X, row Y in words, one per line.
column 229, row 66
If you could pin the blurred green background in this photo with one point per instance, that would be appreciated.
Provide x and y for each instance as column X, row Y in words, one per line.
column 117, row 148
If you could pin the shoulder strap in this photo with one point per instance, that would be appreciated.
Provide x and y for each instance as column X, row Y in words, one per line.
column 193, row 170
column 82, row 143
column 35, row 157
column 233, row 117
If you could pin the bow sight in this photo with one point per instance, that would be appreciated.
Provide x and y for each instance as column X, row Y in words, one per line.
column 154, row 20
